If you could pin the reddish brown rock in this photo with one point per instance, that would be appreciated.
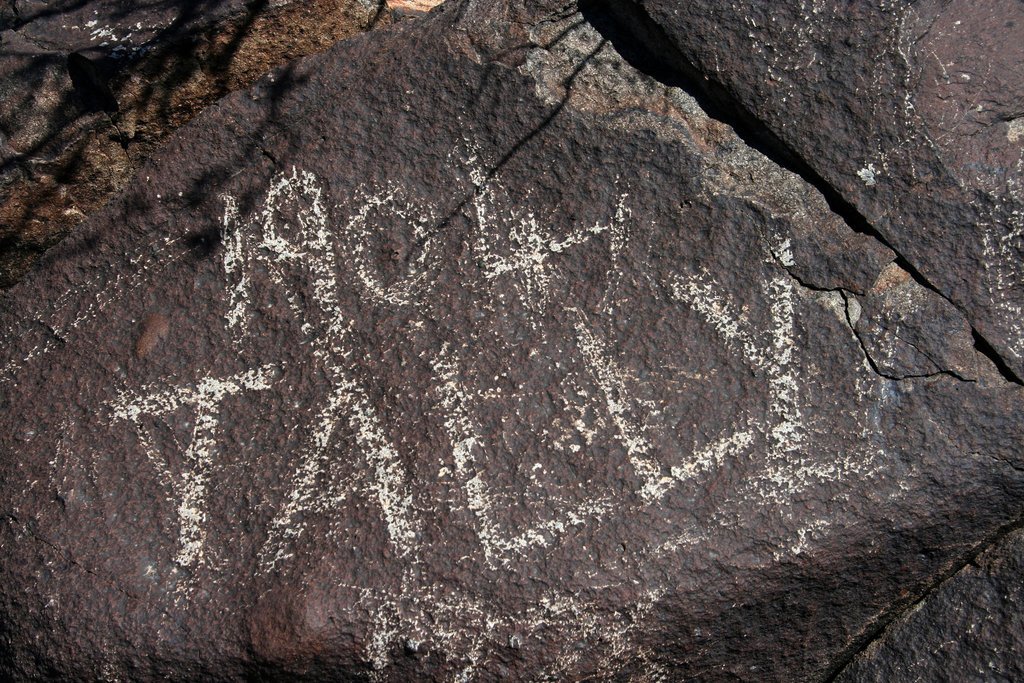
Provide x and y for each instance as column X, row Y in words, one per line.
column 487, row 356
column 90, row 89
column 152, row 331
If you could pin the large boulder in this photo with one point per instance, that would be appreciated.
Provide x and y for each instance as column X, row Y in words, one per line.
column 468, row 350
column 88, row 89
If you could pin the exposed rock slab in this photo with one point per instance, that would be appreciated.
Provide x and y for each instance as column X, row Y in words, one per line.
column 970, row 629
column 506, row 370
column 911, row 111
column 89, row 89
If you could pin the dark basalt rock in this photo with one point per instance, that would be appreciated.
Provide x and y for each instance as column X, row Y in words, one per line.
column 909, row 111
column 88, row 89
column 970, row 629
column 466, row 350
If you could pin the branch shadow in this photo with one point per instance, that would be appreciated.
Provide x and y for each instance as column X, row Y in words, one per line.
column 524, row 140
column 74, row 126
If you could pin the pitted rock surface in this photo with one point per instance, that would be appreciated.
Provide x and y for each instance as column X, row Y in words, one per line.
column 88, row 89
column 910, row 111
column 520, row 367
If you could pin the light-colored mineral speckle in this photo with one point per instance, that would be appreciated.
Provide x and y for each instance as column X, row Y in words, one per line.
column 1015, row 130
column 867, row 174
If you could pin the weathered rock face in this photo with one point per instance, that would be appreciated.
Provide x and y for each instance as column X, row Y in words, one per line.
column 90, row 89
column 970, row 629
column 521, row 367
column 911, row 111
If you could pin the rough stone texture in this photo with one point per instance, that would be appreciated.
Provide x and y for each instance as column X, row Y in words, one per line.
column 466, row 350
column 970, row 629
column 90, row 89
column 911, row 111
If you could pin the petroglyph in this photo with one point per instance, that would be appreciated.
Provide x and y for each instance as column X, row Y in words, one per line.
column 616, row 400
column 305, row 257
column 784, row 433
column 427, row 609
column 499, row 544
column 307, row 495
column 527, row 257
column 300, row 256
column 299, row 248
column 205, row 399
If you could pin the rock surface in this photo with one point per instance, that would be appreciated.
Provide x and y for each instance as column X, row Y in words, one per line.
column 970, row 629
column 476, row 349
column 90, row 89
column 910, row 111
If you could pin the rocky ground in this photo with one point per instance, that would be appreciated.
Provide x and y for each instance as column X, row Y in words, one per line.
column 521, row 340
